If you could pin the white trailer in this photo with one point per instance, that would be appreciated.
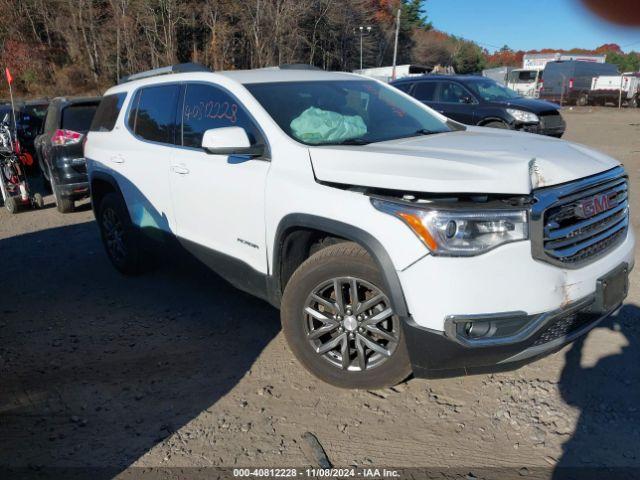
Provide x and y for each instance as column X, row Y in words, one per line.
column 616, row 88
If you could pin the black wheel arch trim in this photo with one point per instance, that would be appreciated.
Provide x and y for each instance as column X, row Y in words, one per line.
column 348, row 232
column 104, row 177
column 486, row 120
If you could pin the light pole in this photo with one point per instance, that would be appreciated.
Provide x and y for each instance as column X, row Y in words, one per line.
column 362, row 29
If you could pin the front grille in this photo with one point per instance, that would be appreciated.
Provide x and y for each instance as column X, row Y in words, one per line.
column 583, row 220
column 564, row 327
column 551, row 121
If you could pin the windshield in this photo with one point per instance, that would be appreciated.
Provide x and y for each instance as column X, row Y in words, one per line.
column 344, row 112
column 523, row 76
column 491, row 91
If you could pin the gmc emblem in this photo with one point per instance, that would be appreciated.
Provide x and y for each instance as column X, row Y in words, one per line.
column 592, row 206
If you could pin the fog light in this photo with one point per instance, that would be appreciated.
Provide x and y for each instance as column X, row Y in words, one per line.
column 477, row 329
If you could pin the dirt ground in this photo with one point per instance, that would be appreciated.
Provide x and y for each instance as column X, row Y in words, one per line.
column 178, row 369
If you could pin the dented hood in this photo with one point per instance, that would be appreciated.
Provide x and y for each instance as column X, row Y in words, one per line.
column 477, row 160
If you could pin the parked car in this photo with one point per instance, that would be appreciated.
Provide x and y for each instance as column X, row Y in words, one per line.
column 569, row 82
column 59, row 149
column 392, row 238
column 482, row 101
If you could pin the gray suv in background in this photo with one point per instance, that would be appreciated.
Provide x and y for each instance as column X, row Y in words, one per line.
column 59, row 149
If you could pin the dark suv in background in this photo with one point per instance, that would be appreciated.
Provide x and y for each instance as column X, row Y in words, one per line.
column 59, row 149
column 481, row 101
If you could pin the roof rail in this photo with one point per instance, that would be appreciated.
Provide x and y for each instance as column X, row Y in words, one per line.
column 179, row 68
column 298, row 66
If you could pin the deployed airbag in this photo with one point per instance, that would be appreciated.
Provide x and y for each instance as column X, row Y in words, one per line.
column 316, row 126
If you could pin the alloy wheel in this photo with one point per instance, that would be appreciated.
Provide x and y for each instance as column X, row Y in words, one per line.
column 114, row 234
column 350, row 323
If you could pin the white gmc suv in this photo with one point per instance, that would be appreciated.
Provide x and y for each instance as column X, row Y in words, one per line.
column 392, row 239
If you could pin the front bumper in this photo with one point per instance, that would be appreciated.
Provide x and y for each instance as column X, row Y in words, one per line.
column 546, row 306
column 436, row 355
column 543, row 129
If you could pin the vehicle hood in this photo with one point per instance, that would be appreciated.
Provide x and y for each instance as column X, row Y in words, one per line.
column 477, row 160
column 528, row 104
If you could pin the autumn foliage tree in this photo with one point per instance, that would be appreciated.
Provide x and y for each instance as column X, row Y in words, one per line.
column 85, row 45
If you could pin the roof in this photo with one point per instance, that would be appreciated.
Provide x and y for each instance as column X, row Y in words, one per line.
column 274, row 74
column 439, row 77
column 260, row 75
column 76, row 99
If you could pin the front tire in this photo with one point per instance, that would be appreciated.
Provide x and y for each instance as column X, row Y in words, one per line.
column 339, row 322
column 120, row 238
column 496, row 124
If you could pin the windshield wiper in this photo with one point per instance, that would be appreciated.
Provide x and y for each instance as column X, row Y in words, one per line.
column 424, row 131
column 351, row 141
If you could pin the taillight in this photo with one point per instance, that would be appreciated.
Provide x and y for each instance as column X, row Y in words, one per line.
column 571, row 83
column 66, row 137
column 541, row 85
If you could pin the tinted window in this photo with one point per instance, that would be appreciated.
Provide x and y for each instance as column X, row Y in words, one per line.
column 425, row 91
column 491, row 91
column 78, row 117
column 154, row 113
column 405, row 87
column 107, row 113
column 452, row 93
column 207, row 107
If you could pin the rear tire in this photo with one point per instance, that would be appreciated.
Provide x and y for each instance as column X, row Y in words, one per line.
column 63, row 204
column 583, row 100
column 120, row 238
column 313, row 319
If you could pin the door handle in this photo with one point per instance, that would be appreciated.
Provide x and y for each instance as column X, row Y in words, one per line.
column 179, row 169
column 117, row 158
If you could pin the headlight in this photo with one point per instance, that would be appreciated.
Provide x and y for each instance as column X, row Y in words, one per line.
column 460, row 232
column 522, row 116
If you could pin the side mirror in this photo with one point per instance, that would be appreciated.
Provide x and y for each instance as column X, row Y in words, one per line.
column 229, row 141
column 467, row 99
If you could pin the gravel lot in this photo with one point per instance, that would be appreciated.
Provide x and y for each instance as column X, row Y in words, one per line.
column 176, row 368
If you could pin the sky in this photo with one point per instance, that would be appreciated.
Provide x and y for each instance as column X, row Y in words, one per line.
column 527, row 24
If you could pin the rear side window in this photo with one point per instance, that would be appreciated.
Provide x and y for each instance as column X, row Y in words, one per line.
column 207, row 107
column 405, row 87
column 153, row 116
column 107, row 113
column 425, row 91
column 78, row 117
